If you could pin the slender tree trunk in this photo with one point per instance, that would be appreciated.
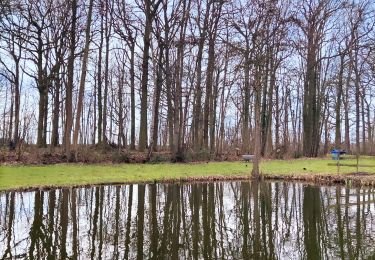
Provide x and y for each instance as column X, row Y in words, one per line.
column 264, row 108
column 107, row 31
column 41, row 118
column 197, row 113
column 223, row 104
column 257, row 137
column 209, row 84
column 132, row 96
column 143, row 139
column 45, row 119
column 159, row 82
column 168, row 85
column 178, row 113
column 93, row 123
column 70, row 75
column 364, row 143
column 100, row 102
column 83, row 74
column 246, row 107
column 357, row 102
column 272, row 86
column 11, row 111
column 346, row 103
column 42, row 89
column 339, row 89
column 121, row 135
column 213, row 106
column 346, row 119
column 56, row 112
column 369, row 130
column 277, row 117
column 16, row 101
column 286, row 122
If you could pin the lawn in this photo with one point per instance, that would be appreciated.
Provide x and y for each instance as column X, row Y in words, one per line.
column 23, row 177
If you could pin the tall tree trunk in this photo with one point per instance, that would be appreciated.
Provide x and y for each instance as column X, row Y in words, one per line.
column 309, row 103
column 132, row 96
column 277, row 117
column 257, row 142
column 16, row 101
column 42, row 89
column 121, row 135
column 369, row 131
column 179, row 69
column 56, row 112
column 70, row 75
column 357, row 102
column 83, row 74
column 246, row 106
column 42, row 97
column 11, row 111
column 197, row 113
column 45, row 119
column 339, row 89
column 159, row 82
column 346, row 102
column 269, row 119
column 168, row 85
column 213, row 106
column 223, row 103
column 286, row 122
column 346, row 119
column 209, row 83
column 364, row 143
column 100, row 102
column 264, row 107
column 107, row 31
column 144, row 81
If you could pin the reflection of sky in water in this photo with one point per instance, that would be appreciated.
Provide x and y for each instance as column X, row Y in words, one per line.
column 285, row 216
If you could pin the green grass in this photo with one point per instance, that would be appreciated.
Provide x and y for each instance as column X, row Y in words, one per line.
column 17, row 177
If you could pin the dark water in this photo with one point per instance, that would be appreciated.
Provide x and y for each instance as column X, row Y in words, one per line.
column 223, row 220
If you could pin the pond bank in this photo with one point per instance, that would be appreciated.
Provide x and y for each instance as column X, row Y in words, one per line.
column 320, row 171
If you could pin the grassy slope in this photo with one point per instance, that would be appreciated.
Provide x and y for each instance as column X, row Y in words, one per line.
column 13, row 177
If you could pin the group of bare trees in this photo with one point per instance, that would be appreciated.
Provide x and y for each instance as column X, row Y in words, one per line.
column 206, row 76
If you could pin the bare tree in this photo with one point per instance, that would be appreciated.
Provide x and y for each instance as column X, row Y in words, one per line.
column 83, row 73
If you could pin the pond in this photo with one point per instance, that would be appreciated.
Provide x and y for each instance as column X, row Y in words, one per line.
column 227, row 220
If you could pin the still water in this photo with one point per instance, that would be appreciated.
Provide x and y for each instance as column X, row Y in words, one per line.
column 221, row 220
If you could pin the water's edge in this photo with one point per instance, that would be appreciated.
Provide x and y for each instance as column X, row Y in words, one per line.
column 351, row 179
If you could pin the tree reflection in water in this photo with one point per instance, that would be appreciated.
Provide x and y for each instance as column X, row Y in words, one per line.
column 221, row 220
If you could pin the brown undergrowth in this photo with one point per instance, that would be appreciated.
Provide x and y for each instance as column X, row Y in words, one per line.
column 93, row 154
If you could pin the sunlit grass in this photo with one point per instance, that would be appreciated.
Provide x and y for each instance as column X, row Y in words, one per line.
column 15, row 177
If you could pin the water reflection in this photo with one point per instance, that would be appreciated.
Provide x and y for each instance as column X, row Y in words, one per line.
column 223, row 220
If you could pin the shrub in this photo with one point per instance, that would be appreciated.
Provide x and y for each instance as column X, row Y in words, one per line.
column 297, row 154
column 86, row 155
column 179, row 157
column 203, row 155
column 2, row 155
column 120, row 157
column 157, row 158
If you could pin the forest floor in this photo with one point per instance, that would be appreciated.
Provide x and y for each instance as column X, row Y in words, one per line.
column 321, row 171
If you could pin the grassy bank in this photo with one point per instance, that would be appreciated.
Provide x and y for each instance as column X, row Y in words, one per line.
column 26, row 177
